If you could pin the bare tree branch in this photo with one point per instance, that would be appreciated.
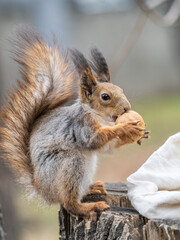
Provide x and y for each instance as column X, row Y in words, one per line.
column 130, row 42
column 169, row 19
column 154, row 3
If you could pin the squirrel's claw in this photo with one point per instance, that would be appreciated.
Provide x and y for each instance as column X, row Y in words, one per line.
column 145, row 136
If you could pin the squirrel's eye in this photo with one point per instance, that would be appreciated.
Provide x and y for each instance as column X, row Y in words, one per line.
column 105, row 97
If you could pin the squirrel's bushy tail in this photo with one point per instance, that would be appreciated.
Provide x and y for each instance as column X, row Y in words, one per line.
column 47, row 83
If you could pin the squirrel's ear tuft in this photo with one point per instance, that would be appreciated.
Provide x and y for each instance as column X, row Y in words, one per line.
column 87, row 80
column 79, row 60
column 99, row 65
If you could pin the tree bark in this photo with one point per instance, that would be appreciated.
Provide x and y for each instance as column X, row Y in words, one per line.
column 2, row 232
column 122, row 222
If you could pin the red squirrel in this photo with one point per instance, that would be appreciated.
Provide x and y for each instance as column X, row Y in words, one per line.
column 52, row 141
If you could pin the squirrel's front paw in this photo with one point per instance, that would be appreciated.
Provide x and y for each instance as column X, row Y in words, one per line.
column 131, row 132
column 97, row 188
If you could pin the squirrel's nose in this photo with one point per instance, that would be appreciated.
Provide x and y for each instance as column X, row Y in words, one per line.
column 127, row 108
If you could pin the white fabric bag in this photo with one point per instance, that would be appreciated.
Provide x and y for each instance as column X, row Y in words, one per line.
column 154, row 189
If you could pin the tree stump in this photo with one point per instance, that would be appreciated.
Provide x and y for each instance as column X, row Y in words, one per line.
column 122, row 222
column 2, row 232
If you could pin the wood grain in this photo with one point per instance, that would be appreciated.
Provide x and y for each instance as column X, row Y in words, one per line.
column 122, row 222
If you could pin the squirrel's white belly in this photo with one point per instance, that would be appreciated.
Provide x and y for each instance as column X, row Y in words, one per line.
column 89, row 171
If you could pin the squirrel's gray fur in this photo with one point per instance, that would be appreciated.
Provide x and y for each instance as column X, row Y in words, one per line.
column 61, row 139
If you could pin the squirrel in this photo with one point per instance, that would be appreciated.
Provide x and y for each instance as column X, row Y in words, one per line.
column 58, row 118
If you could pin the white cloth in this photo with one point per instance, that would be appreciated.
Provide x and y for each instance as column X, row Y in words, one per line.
column 154, row 189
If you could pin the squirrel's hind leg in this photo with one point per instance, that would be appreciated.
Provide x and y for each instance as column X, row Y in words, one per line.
column 81, row 171
column 88, row 211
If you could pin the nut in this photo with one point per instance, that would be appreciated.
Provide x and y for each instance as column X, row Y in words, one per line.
column 131, row 116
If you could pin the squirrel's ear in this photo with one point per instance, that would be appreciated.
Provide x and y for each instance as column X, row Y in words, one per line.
column 87, row 80
column 99, row 65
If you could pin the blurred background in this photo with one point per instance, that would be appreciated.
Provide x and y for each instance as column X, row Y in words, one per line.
column 141, row 42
